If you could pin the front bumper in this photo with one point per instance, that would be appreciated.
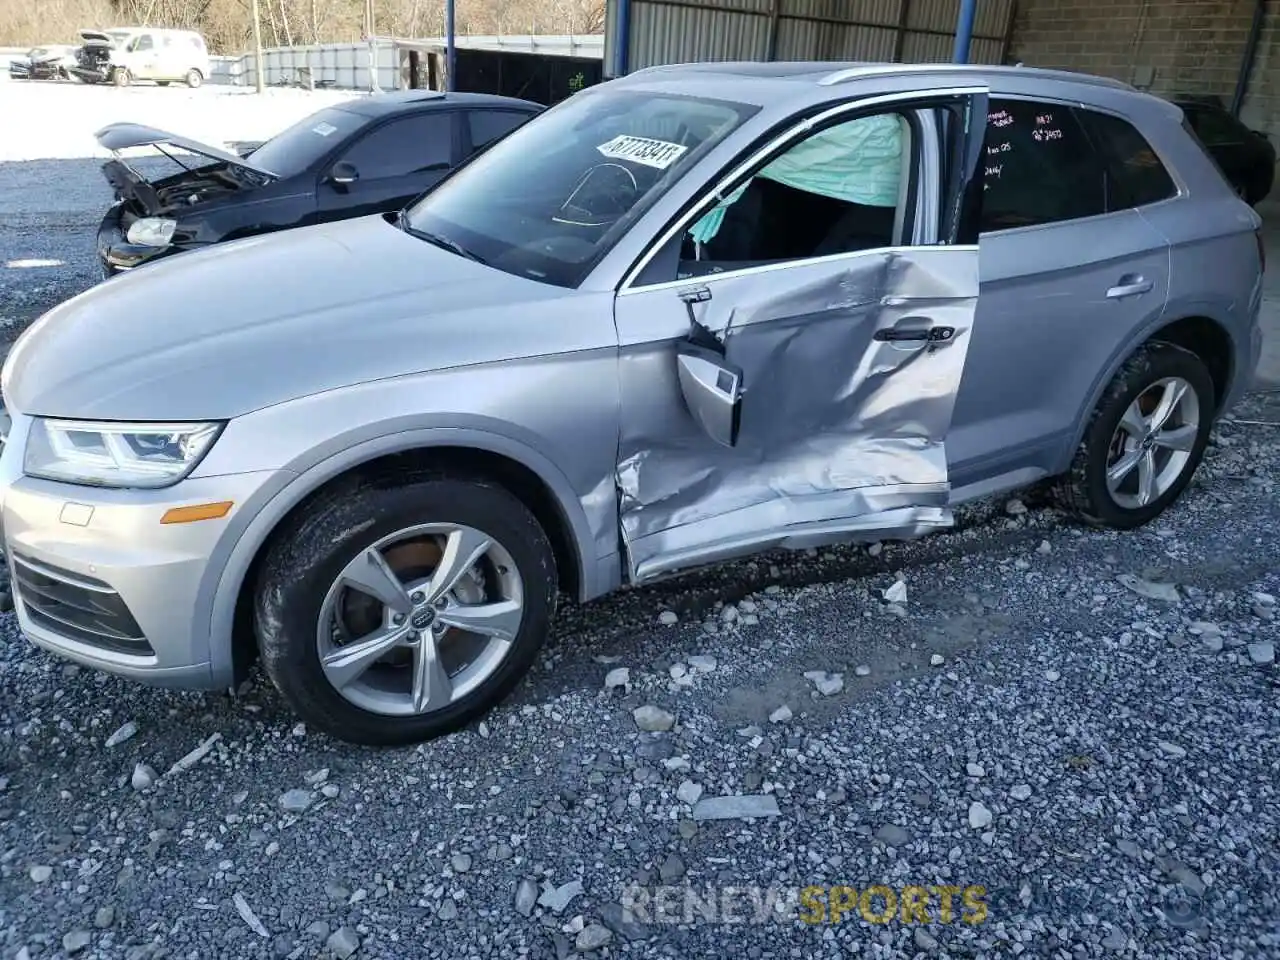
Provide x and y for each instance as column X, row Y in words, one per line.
column 99, row 580
column 19, row 71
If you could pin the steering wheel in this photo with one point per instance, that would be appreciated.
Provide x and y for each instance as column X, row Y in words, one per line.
column 603, row 194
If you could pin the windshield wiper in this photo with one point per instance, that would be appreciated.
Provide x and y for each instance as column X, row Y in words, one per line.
column 445, row 243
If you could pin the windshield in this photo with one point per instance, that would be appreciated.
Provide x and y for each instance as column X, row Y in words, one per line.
column 298, row 147
column 552, row 198
column 119, row 36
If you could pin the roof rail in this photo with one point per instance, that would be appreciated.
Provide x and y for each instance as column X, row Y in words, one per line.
column 907, row 69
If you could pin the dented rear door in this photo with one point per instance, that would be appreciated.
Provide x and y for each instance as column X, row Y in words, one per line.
column 845, row 370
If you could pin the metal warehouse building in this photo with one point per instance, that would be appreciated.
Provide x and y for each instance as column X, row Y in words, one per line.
column 1226, row 48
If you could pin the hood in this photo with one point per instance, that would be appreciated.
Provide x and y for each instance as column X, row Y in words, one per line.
column 122, row 136
column 223, row 331
column 97, row 38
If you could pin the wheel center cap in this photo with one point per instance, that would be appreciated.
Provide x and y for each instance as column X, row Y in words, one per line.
column 422, row 619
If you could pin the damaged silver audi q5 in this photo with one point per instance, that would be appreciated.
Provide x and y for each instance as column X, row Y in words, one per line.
column 691, row 314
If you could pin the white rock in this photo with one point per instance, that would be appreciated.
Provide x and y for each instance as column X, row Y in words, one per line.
column 1015, row 508
column 862, row 670
column 1166, row 592
column 702, row 663
column 678, row 671
column 617, row 677
column 653, row 719
column 1021, row 792
column 1045, row 548
column 896, row 592
column 875, row 549
column 781, row 715
column 830, row 686
column 689, row 792
column 123, row 734
column 746, row 807
column 975, row 769
column 40, row 874
column 1265, row 599
column 1262, row 652
column 330, row 790
column 143, row 777
column 1171, row 749
column 979, row 815
column 937, row 660
column 1052, row 676
column 668, row 617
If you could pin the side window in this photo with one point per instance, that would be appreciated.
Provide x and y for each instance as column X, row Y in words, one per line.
column 1135, row 175
column 1040, row 167
column 144, row 42
column 408, row 145
column 487, row 126
column 843, row 189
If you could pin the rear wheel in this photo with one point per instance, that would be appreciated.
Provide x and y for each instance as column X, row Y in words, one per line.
column 397, row 611
column 1144, row 439
column 120, row 77
column 194, row 78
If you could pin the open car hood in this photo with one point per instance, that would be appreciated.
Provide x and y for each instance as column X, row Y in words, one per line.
column 122, row 136
column 95, row 37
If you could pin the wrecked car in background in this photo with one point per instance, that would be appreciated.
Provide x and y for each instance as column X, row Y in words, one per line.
column 122, row 55
column 44, row 63
column 368, row 155
column 694, row 313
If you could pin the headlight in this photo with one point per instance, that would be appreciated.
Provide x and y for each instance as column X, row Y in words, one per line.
column 152, row 232
column 104, row 454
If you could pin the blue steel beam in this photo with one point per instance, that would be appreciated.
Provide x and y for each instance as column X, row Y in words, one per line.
column 964, row 30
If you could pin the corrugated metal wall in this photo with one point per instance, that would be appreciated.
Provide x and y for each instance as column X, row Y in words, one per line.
column 677, row 31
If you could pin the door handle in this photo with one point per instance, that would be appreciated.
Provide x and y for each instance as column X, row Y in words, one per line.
column 930, row 334
column 1130, row 286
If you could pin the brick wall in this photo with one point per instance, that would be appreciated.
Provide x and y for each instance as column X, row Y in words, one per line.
column 1184, row 46
column 1180, row 46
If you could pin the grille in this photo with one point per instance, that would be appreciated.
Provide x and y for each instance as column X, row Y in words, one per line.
column 76, row 607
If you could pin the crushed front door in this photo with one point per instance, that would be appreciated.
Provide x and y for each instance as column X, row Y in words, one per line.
column 804, row 402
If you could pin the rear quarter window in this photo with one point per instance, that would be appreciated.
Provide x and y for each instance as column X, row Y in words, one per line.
column 1040, row 166
column 1136, row 176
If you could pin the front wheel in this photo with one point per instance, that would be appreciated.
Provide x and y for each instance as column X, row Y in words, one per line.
column 194, row 78
column 120, row 77
column 1144, row 440
column 396, row 611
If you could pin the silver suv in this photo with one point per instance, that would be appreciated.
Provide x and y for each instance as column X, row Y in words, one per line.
column 699, row 312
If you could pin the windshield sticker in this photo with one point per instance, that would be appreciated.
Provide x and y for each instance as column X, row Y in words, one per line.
column 324, row 129
column 651, row 153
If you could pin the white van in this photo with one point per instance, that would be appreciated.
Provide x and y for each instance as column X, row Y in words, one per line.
column 122, row 55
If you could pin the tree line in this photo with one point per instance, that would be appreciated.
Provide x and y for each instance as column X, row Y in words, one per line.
column 227, row 26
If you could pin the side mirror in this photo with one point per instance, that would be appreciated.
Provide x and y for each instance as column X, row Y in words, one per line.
column 712, row 390
column 343, row 173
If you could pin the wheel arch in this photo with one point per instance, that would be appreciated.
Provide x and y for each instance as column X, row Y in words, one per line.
column 1200, row 333
column 527, row 474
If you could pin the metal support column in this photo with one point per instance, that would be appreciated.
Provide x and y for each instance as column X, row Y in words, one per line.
column 449, row 51
column 623, row 42
column 964, row 30
column 1250, row 54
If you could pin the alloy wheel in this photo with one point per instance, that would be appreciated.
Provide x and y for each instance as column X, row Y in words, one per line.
column 419, row 619
column 1152, row 443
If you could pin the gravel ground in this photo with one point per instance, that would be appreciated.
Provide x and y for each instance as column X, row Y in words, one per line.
column 1083, row 723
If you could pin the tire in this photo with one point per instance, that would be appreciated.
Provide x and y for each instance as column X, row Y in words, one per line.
column 1084, row 490
column 303, row 568
column 120, row 77
column 162, row 83
column 194, row 78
